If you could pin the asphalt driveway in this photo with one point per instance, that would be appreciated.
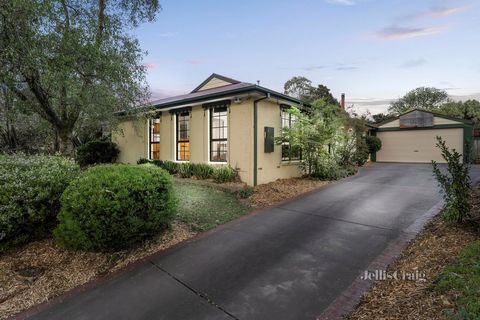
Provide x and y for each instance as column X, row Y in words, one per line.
column 288, row 262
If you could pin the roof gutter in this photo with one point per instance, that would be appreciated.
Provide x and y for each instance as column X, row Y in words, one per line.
column 255, row 136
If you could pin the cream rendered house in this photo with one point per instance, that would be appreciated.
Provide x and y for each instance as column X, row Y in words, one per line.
column 221, row 122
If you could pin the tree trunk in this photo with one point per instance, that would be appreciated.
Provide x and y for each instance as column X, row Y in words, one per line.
column 65, row 145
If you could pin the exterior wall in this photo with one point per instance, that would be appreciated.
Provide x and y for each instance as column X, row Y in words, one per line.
column 270, row 165
column 240, row 139
column 131, row 137
column 198, row 134
column 214, row 83
column 417, row 145
column 167, row 136
column 392, row 124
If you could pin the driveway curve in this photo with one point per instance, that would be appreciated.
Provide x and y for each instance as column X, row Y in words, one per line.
column 286, row 262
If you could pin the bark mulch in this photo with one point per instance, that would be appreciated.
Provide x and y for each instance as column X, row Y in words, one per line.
column 40, row 270
column 436, row 247
column 274, row 192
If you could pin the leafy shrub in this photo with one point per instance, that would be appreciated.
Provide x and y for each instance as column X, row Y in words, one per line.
column 361, row 152
column 374, row 144
column 245, row 193
column 224, row 174
column 30, row 192
column 97, row 151
column 170, row 166
column 185, row 170
column 455, row 185
column 143, row 161
column 329, row 169
column 202, row 171
column 114, row 206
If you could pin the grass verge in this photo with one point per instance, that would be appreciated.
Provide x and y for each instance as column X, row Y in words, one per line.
column 461, row 282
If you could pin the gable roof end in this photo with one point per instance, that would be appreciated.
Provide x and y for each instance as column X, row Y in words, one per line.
column 212, row 76
column 434, row 114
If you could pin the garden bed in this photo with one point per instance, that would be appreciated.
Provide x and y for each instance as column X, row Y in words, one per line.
column 432, row 252
column 41, row 270
column 274, row 192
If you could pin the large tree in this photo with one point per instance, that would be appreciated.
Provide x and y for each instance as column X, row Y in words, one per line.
column 73, row 62
column 302, row 88
column 468, row 110
column 420, row 98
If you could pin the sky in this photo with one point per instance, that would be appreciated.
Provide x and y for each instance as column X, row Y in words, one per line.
column 372, row 50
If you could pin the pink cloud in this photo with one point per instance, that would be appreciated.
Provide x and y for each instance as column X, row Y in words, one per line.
column 397, row 33
column 440, row 12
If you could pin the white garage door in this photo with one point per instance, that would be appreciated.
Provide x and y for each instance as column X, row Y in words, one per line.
column 417, row 145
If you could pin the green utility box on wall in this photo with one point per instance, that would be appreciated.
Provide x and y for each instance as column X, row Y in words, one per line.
column 269, row 143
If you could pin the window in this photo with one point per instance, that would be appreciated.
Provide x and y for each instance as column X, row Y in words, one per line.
column 155, row 139
column 289, row 153
column 183, row 136
column 218, row 134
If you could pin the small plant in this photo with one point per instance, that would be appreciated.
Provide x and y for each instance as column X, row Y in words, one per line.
column 143, row 161
column 374, row 144
column 361, row 152
column 170, row 166
column 158, row 163
column 224, row 174
column 245, row 193
column 455, row 184
column 202, row 171
column 97, row 151
column 115, row 206
column 185, row 170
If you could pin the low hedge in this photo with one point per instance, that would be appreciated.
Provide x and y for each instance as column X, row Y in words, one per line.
column 30, row 192
column 200, row 171
column 115, row 206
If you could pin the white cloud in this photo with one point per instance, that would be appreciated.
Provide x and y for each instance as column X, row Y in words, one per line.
column 341, row 2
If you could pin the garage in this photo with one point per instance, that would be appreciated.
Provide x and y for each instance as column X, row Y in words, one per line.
column 411, row 137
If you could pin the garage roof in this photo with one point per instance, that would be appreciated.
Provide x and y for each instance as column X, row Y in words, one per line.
column 434, row 113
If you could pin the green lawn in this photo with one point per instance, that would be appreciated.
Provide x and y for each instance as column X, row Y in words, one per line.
column 462, row 278
column 204, row 208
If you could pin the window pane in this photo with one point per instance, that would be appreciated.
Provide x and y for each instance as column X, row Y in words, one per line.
column 183, row 137
column 218, row 134
column 219, row 151
column 155, row 139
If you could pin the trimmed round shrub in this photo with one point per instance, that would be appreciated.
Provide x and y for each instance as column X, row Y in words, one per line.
column 115, row 206
column 374, row 143
column 97, row 151
column 30, row 192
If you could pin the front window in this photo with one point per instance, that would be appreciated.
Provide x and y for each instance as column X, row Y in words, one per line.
column 218, row 134
column 289, row 153
column 183, row 136
column 155, row 139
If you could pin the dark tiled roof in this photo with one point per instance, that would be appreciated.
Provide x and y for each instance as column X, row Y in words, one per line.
column 214, row 93
column 189, row 97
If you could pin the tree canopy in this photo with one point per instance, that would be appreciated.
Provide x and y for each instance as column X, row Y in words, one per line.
column 73, row 62
column 302, row 88
column 420, row 98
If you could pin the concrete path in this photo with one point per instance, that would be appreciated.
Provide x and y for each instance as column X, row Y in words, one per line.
column 288, row 262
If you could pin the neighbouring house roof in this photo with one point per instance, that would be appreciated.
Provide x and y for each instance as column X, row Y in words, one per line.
column 434, row 113
column 234, row 87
